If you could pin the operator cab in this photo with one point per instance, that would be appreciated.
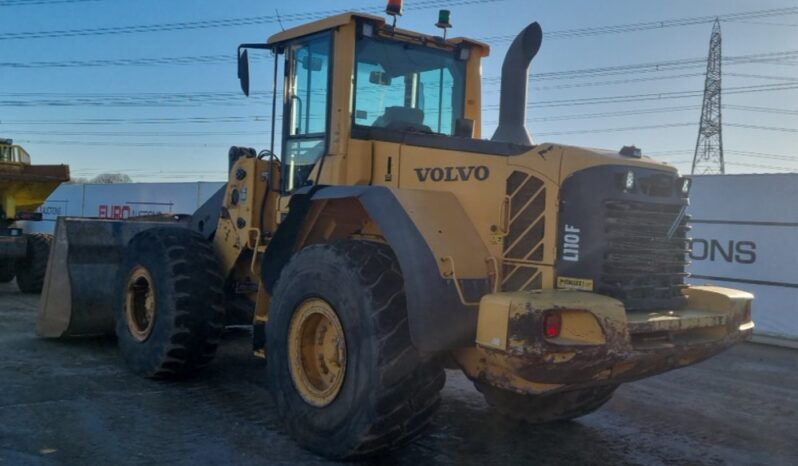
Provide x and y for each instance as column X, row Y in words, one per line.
column 11, row 153
column 353, row 76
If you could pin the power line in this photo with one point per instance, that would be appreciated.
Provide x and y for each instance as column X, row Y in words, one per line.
column 667, row 65
column 763, row 155
column 144, row 61
column 195, row 134
column 217, row 23
column 748, row 108
column 228, row 98
column 307, row 16
column 742, row 153
column 39, row 2
column 264, row 118
column 129, row 143
column 767, row 128
column 651, row 25
column 761, row 76
column 766, row 167
column 141, row 121
column 652, row 96
column 613, row 130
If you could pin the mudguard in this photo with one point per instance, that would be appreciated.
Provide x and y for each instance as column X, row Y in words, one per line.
column 435, row 244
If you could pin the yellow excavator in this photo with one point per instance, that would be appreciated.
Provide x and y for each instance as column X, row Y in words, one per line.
column 23, row 189
column 388, row 240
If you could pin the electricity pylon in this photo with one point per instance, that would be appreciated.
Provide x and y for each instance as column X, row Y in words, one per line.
column 708, row 158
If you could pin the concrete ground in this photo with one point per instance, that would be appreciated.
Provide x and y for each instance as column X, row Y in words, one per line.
column 73, row 402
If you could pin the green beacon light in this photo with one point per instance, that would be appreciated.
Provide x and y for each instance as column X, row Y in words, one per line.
column 443, row 21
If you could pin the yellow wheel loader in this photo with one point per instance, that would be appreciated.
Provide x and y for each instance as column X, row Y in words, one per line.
column 23, row 189
column 388, row 239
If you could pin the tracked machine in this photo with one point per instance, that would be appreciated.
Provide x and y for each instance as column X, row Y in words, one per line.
column 23, row 189
column 388, row 240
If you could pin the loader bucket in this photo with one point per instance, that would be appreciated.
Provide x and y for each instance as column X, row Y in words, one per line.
column 80, row 289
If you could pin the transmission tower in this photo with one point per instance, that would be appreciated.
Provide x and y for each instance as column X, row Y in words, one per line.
column 708, row 156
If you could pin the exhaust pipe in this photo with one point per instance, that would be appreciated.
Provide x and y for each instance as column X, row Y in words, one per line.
column 515, row 72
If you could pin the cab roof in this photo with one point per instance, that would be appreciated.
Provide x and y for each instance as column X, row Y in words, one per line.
column 346, row 18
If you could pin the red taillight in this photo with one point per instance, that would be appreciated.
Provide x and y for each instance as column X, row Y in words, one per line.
column 552, row 324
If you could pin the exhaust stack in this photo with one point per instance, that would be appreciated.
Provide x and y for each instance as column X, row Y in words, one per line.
column 515, row 72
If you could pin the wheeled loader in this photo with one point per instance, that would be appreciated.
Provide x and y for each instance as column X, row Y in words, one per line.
column 23, row 189
column 388, row 240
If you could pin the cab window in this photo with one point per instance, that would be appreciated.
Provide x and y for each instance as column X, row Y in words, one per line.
column 306, row 107
column 407, row 87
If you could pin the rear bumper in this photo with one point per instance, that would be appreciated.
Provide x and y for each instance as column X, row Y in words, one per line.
column 600, row 343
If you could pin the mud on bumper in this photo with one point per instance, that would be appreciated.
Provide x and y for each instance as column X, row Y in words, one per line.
column 599, row 342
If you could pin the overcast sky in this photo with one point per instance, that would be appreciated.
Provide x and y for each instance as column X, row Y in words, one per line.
column 81, row 80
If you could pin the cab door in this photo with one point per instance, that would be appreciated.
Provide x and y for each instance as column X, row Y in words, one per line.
column 306, row 108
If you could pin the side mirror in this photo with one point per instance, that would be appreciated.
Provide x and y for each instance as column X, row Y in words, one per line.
column 243, row 71
column 380, row 78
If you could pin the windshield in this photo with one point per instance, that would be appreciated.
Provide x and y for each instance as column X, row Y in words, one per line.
column 407, row 87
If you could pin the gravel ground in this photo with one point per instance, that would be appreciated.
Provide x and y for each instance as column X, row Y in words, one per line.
column 73, row 402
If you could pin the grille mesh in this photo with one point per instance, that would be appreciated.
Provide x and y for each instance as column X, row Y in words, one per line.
column 642, row 266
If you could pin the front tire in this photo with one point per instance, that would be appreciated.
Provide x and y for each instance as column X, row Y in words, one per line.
column 539, row 409
column 30, row 271
column 170, row 316
column 367, row 390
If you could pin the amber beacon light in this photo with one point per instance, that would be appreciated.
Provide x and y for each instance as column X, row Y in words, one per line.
column 394, row 8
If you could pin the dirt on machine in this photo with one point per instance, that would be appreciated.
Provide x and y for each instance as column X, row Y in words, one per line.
column 388, row 240
column 23, row 189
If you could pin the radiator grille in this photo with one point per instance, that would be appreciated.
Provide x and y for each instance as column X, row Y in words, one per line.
column 642, row 266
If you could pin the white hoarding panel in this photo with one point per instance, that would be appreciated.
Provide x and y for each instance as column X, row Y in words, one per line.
column 136, row 199
column 122, row 200
column 66, row 200
column 745, row 236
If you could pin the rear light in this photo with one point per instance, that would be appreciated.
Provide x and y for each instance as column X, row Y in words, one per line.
column 552, row 324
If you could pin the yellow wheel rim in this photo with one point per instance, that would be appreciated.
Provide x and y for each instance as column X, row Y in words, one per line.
column 317, row 352
column 140, row 303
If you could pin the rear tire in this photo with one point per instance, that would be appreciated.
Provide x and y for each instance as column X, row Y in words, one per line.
column 388, row 392
column 170, row 314
column 30, row 271
column 7, row 272
column 539, row 409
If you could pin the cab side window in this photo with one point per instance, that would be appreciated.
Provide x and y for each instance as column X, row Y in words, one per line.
column 306, row 108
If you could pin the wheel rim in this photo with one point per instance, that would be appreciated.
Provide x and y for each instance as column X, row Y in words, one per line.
column 317, row 352
column 140, row 304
